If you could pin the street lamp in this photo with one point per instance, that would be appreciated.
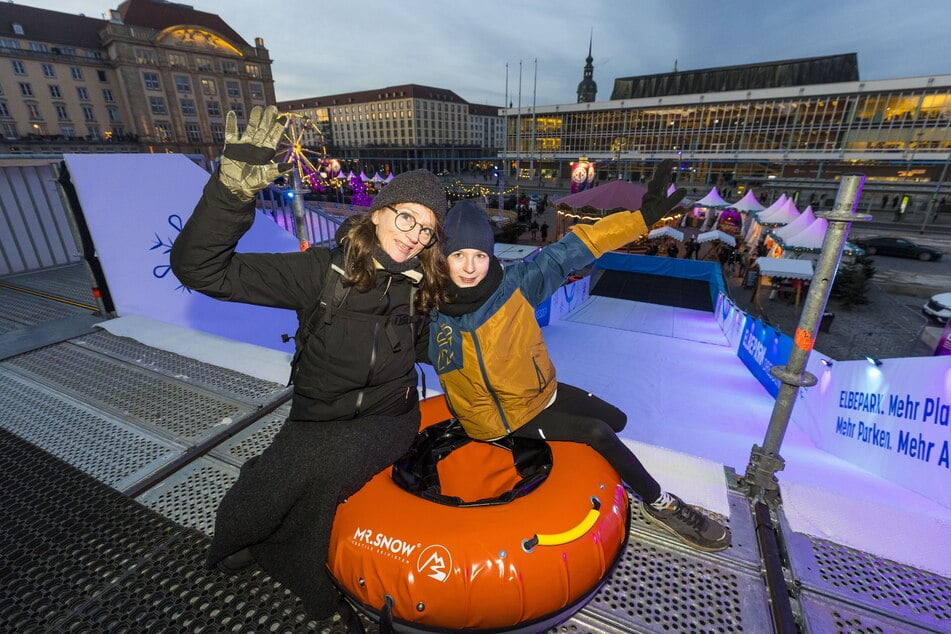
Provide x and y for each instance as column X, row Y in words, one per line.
column 616, row 147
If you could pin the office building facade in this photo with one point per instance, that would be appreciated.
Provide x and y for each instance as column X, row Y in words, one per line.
column 153, row 77
column 751, row 123
column 402, row 127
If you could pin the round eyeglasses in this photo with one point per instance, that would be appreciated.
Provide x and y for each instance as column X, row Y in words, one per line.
column 405, row 222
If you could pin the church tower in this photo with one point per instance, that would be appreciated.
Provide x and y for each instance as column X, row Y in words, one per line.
column 588, row 89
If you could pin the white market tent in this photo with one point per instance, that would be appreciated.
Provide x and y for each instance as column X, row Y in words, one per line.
column 809, row 239
column 713, row 200
column 748, row 203
column 805, row 219
column 666, row 231
column 722, row 236
column 776, row 216
column 785, row 267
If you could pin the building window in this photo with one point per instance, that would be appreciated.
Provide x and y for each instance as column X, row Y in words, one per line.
column 6, row 42
column 18, row 67
column 214, row 109
column 233, row 89
column 93, row 133
column 107, row 95
column 49, row 70
column 253, row 70
column 256, row 91
column 229, row 67
column 61, row 112
column 55, row 92
column 67, row 131
column 193, row 132
column 88, row 113
column 82, row 93
column 76, row 73
column 163, row 132
column 39, row 47
column 101, row 74
column 157, row 104
column 177, row 60
column 152, row 81
column 4, row 109
column 26, row 89
column 217, row 133
column 145, row 56
column 10, row 130
column 18, row 28
column 113, row 114
column 204, row 65
column 188, row 108
column 183, row 84
column 34, row 111
column 209, row 87
column 118, row 132
column 238, row 108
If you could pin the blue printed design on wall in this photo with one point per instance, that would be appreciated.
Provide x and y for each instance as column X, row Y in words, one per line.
column 161, row 270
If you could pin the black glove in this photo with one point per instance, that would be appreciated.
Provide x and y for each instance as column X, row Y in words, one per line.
column 656, row 203
column 247, row 163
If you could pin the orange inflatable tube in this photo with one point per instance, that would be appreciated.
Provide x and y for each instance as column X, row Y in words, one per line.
column 492, row 549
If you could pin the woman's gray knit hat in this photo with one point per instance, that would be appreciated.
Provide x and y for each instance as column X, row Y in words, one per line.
column 418, row 186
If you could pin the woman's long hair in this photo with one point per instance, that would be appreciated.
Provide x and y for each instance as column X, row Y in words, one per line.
column 361, row 272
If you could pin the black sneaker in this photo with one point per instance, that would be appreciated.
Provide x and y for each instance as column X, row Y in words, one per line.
column 688, row 525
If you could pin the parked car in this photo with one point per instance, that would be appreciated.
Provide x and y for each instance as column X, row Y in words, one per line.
column 898, row 247
column 938, row 307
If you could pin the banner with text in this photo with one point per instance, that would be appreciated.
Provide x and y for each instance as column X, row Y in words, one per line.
column 761, row 347
column 891, row 419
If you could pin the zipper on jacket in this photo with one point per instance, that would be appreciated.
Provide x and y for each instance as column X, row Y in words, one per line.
column 488, row 385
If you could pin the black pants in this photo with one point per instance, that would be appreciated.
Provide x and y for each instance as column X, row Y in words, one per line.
column 579, row 416
column 282, row 505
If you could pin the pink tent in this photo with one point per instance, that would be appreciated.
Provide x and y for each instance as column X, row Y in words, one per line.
column 616, row 194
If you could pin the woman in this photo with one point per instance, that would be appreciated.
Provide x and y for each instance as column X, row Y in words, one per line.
column 492, row 362
column 360, row 309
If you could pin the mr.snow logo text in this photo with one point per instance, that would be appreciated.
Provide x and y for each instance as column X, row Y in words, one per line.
column 434, row 561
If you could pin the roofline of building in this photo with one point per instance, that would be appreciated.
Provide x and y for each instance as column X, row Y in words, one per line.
column 925, row 82
column 402, row 91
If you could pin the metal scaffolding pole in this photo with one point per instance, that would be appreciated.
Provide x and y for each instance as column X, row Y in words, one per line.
column 760, row 479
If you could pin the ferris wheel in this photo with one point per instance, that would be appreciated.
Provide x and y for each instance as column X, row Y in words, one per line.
column 312, row 168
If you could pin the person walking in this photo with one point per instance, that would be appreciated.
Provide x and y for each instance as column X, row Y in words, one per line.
column 493, row 309
column 534, row 229
column 355, row 406
column 544, row 231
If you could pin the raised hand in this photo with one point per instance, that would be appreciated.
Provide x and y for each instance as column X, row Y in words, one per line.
column 656, row 203
column 247, row 162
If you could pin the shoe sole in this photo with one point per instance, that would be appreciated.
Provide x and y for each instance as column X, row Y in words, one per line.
column 707, row 549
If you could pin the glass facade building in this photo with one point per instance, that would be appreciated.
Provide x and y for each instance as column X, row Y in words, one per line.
column 895, row 129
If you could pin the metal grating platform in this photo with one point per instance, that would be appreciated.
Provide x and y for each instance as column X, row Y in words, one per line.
column 166, row 406
column 26, row 309
column 70, row 282
column 212, row 378
column 842, row 580
column 77, row 556
column 106, row 448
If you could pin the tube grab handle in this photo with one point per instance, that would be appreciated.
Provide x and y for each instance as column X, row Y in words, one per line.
column 528, row 545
